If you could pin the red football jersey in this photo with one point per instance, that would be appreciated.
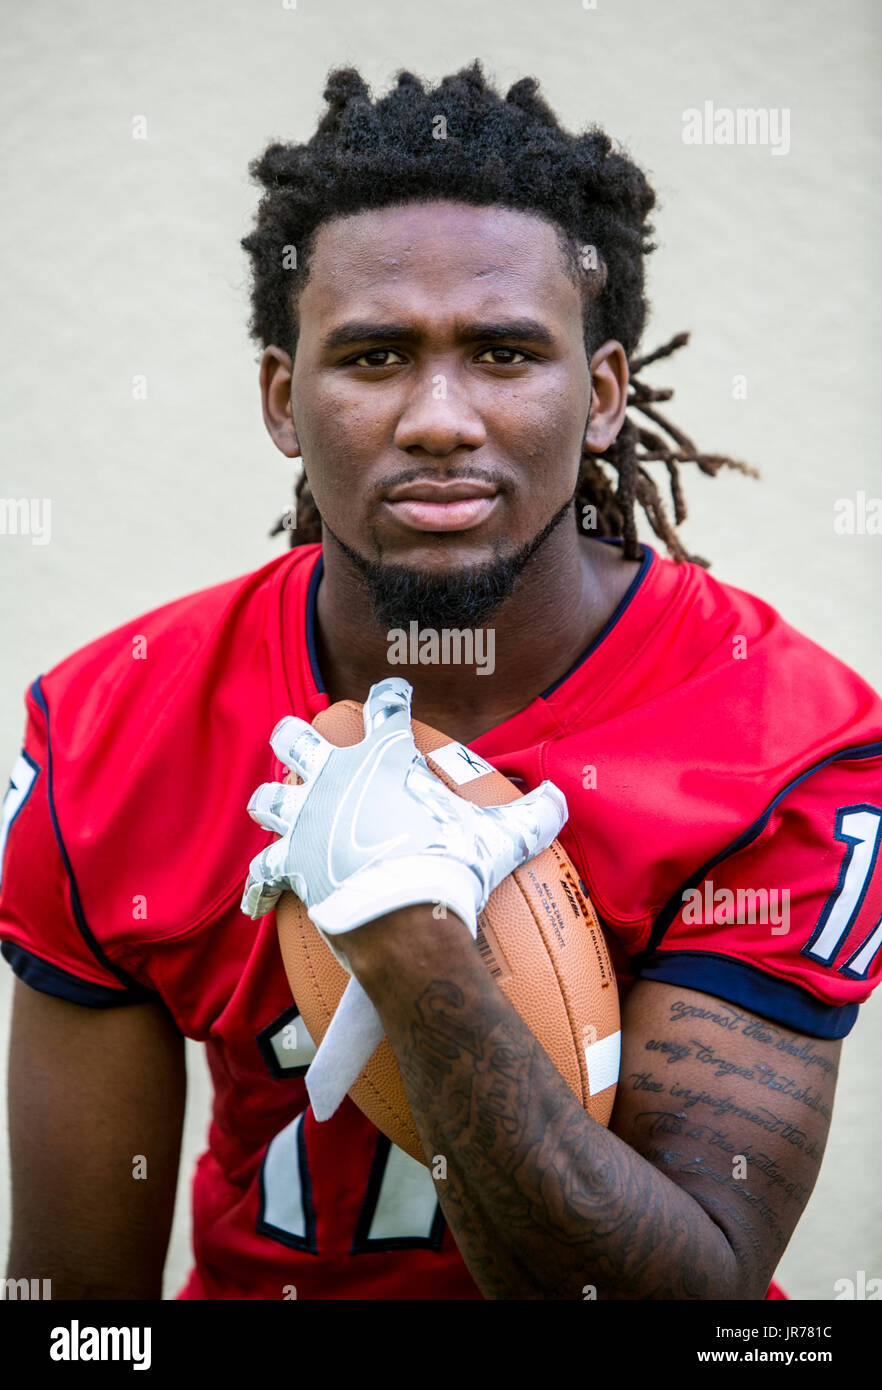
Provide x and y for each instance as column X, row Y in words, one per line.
column 723, row 778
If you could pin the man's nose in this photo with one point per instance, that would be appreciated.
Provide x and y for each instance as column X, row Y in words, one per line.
column 439, row 418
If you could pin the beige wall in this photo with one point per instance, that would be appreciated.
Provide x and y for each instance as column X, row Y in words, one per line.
column 122, row 258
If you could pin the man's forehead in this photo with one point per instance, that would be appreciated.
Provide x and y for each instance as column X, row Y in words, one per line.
column 494, row 249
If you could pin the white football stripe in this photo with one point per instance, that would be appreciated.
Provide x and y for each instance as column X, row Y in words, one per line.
column 603, row 1059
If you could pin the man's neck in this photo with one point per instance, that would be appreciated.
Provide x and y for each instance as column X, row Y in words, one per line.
column 567, row 593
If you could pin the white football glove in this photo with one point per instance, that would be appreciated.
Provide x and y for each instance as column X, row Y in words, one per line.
column 370, row 830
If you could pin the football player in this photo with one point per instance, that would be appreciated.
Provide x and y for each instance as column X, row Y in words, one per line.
column 448, row 291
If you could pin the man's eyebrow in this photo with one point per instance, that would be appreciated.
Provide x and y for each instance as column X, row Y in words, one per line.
column 531, row 329
column 362, row 330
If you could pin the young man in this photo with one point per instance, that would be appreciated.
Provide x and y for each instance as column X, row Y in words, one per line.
column 449, row 291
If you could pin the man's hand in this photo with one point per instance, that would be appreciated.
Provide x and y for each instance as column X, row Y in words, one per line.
column 371, row 831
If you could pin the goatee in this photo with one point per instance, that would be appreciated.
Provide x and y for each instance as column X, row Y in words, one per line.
column 400, row 595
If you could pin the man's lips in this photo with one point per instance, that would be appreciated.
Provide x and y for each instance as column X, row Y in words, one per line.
column 442, row 506
column 461, row 515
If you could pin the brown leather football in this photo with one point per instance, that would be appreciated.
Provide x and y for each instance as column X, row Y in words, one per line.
column 538, row 936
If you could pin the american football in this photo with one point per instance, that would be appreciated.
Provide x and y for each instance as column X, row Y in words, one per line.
column 538, row 936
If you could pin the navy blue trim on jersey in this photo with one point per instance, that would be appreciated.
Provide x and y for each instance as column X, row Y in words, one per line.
column 311, row 602
column 753, row 989
column 51, row 979
column 362, row 1244
column 672, row 908
column 610, row 624
column 136, row 992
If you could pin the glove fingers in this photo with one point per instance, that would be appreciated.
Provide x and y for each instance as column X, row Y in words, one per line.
column 527, row 826
column 554, row 810
column 276, row 806
column 258, row 897
column 540, row 815
column 387, row 705
column 268, row 877
column 300, row 747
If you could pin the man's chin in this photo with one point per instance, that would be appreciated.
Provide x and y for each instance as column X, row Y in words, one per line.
column 467, row 596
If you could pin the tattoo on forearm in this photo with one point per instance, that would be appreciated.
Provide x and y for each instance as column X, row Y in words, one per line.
column 712, row 1147
column 700, row 1164
column 765, row 1211
column 757, row 1071
column 789, row 1073
column 528, row 1186
column 759, row 1030
column 763, row 1118
column 436, row 1041
column 677, row 1121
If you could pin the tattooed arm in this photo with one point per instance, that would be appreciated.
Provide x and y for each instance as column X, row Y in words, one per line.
column 693, row 1192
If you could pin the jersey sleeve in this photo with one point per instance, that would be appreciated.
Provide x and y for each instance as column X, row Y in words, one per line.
column 787, row 921
column 45, row 936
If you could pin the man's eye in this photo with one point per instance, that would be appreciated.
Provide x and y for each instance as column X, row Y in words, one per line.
column 508, row 356
column 362, row 359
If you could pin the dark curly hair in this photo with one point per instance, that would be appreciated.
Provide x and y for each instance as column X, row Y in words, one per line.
column 463, row 141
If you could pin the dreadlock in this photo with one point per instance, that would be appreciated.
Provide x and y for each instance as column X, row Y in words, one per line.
column 511, row 152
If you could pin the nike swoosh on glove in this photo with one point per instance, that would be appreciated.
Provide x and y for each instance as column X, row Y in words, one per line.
column 371, row 830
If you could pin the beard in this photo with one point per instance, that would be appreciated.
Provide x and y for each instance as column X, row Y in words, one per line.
column 467, row 598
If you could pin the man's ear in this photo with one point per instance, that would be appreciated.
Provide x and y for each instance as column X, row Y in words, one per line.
column 276, row 369
column 609, row 396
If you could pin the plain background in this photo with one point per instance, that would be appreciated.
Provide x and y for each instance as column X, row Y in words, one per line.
column 121, row 259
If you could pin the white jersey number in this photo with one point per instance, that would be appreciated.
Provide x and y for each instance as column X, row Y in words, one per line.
column 21, row 780
column 860, row 829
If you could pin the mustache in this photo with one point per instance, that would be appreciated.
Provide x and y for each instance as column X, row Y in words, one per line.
column 496, row 477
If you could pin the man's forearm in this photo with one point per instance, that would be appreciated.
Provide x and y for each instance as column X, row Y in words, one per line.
column 542, row 1200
